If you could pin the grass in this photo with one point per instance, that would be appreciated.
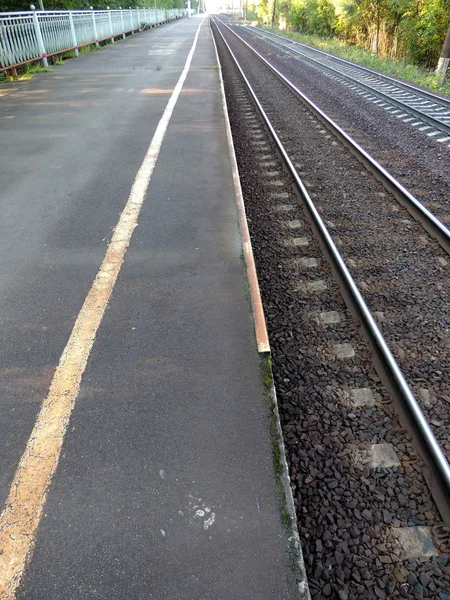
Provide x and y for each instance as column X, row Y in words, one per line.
column 399, row 69
column 267, row 381
column 32, row 70
column 24, row 73
column 89, row 48
column 27, row 71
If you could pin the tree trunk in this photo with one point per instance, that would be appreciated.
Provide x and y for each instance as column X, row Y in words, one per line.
column 442, row 65
column 378, row 27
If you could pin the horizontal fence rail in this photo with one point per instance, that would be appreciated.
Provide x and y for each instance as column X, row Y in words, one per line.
column 35, row 35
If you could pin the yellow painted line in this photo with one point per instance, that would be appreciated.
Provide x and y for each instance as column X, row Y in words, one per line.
column 20, row 519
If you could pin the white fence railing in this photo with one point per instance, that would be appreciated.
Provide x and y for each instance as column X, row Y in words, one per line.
column 35, row 35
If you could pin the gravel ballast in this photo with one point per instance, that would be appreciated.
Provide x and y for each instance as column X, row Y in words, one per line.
column 399, row 267
column 352, row 513
column 418, row 161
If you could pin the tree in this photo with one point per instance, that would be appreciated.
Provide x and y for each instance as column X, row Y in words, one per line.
column 444, row 59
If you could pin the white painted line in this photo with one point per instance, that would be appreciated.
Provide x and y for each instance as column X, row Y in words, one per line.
column 22, row 514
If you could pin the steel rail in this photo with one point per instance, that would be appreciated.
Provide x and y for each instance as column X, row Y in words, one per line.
column 408, row 86
column 427, row 219
column 426, row 118
column 411, row 415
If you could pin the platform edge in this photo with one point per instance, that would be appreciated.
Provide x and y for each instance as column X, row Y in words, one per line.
column 264, row 349
column 259, row 320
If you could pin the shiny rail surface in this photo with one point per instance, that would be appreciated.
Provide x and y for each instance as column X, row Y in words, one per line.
column 428, row 220
column 439, row 477
column 420, row 108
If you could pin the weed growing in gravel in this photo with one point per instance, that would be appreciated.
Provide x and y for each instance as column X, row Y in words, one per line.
column 267, row 380
column 267, row 374
column 425, row 78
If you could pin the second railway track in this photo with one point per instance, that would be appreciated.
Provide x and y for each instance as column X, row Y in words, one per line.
column 322, row 365
column 426, row 111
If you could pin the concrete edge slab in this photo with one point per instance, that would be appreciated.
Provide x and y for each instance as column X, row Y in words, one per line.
column 262, row 338
column 294, row 547
column 294, row 544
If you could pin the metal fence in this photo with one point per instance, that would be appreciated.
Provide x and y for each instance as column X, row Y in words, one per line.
column 35, row 35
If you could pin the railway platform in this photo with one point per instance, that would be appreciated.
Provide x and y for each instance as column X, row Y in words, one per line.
column 136, row 431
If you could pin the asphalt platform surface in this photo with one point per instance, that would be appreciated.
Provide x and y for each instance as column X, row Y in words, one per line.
column 165, row 487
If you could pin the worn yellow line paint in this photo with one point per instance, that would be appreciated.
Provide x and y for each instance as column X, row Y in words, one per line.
column 20, row 518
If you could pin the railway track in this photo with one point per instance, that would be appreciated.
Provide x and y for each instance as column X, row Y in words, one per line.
column 319, row 355
column 419, row 108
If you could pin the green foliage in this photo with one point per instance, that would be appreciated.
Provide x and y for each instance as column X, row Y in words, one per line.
column 319, row 17
column 409, row 30
column 251, row 12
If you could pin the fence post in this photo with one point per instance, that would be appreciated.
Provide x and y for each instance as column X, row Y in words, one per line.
column 131, row 20
column 74, row 37
column 94, row 25
column 40, row 39
column 110, row 24
column 123, row 26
